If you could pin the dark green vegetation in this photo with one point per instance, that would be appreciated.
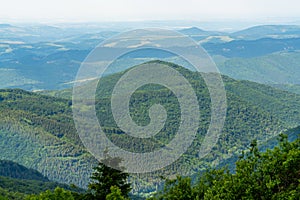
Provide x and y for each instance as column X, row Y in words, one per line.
column 270, row 174
column 57, row 194
column 274, row 174
column 255, row 111
column 294, row 88
column 107, row 181
column 7, row 195
column 14, row 170
column 31, row 186
column 38, row 131
column 17, row 181
column 276, row 68
column 280, row 104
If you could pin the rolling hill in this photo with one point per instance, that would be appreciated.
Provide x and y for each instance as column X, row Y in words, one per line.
column 280, row 69
column 252, row 48
column 40, row 57
column 41, row 129
column 43, row 137
column 17, row 181
column 53, row 65
column 14, row 170
column 268, row 31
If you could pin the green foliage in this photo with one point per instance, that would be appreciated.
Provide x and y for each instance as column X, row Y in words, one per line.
column 8, row 195
column 41, row 131
column 274, row 174
column 116, row 194
column 179, row 188
column 280, row 104
column 19, row 179
column 38, row 132
column 58, row 194
column 293, row 88
column 14, row 170
column 104, row 178
column 32, row 186
column 274, row 68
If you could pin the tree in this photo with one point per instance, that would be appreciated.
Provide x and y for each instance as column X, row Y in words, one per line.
column 274, row 174
column 116, row 194
column 58, row 194
column 105, row 177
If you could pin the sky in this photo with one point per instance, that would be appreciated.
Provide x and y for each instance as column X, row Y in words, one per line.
column 139, row 10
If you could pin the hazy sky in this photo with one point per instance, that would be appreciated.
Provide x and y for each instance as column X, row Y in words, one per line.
column 131, row 10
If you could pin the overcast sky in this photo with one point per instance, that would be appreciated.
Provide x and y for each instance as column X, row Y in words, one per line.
column 132, row 10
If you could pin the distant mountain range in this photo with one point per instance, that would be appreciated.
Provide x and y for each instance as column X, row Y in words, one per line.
column 281, row 68
column 40, row 57
column 252, row 33
column 253, row 48
column 268, row 31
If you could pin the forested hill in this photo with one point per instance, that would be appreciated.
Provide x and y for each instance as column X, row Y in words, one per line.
column 42, row 132
column 17, row 181
column 279, row 103
column 15, row 170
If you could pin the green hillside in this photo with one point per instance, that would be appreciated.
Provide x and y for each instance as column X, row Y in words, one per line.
column 14, row 170
column 37, row 132
column 280, row 104
column 17, row 181
column 294, row 88
column 41, row 131
column 7, row 195
column 31, row 186
column 271, row 174
column 275, row 68
column 272, row 31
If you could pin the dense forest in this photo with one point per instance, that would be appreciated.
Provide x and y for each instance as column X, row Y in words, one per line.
column 150, row 100
column 41, row 130
column 272, row 174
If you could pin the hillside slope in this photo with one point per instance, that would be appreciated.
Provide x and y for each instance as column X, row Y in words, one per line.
column 41, row 128
column 17, row 181
column 276, row 68
column 37, row 132
column 14, row 170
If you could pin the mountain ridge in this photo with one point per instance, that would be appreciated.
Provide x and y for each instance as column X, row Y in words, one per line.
column 45, row 126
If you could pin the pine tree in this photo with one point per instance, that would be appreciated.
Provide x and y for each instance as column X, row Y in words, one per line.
column 105, row 177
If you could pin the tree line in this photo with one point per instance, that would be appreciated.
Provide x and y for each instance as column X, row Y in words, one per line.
column 270, row 174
